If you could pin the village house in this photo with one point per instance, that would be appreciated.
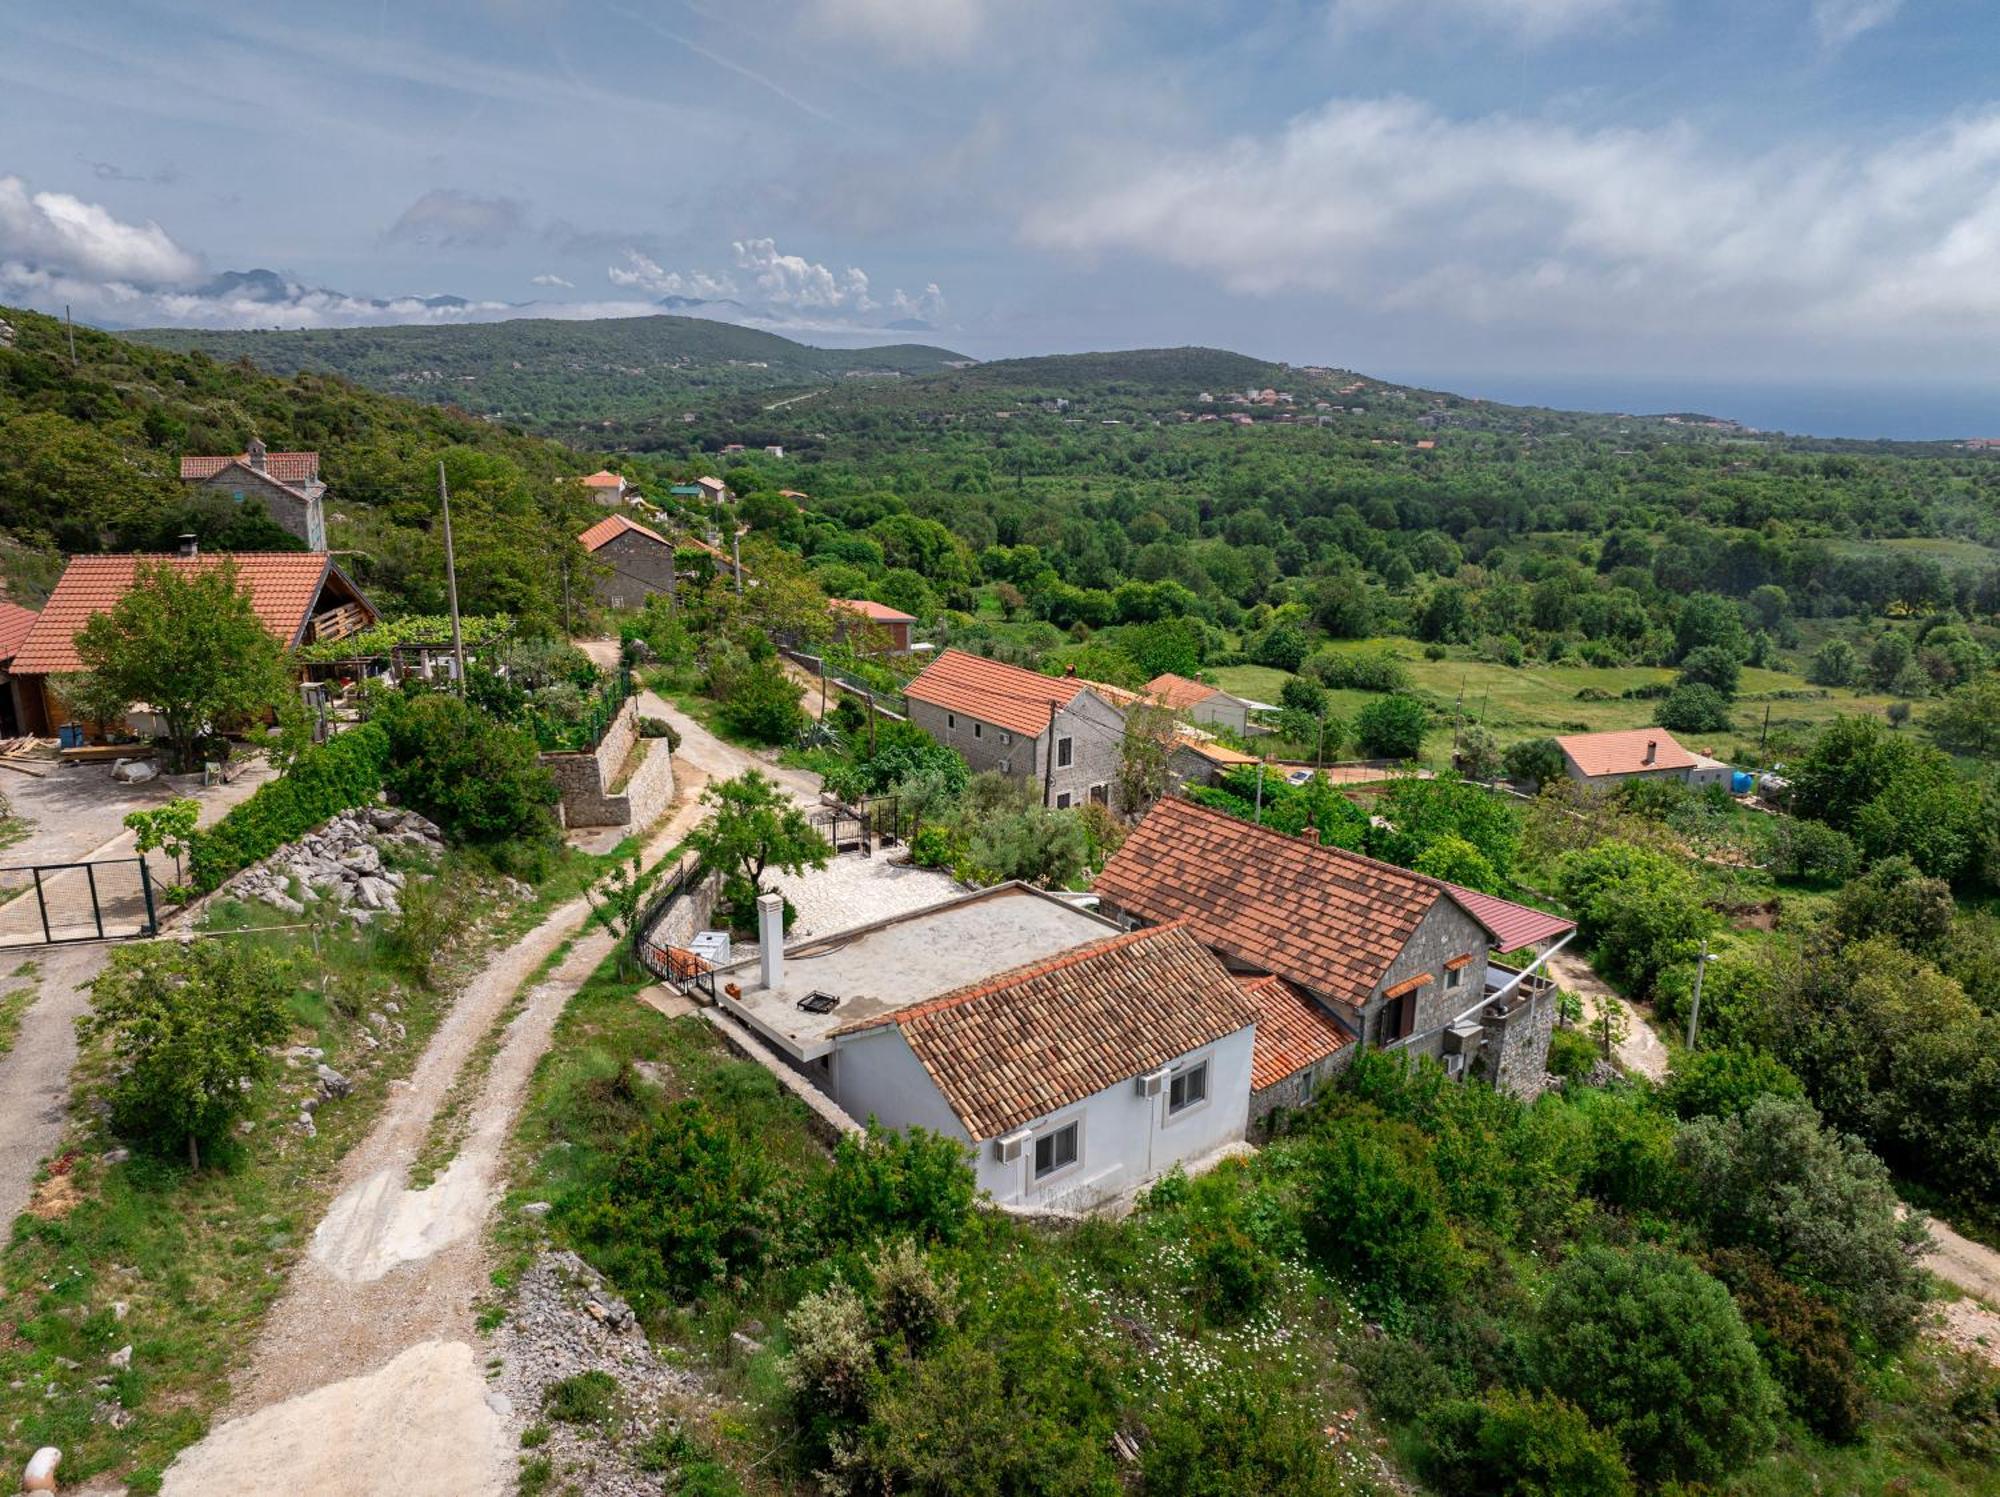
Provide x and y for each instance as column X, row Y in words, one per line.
column 15, row 622
column 1065, row 737
column 608, row 488
column 873, row 628
column 714, row 490
column 1199, row 702
column 286, row 483
column 301, row 597
column 1633, row 754
column 1075, row 1060
column 1363, row 952
column 634, row 561
column 1202, row 761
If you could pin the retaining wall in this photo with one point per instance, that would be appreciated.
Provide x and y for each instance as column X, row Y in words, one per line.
column 584, row 780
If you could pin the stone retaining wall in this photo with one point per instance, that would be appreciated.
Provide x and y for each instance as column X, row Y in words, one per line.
column 584, row 780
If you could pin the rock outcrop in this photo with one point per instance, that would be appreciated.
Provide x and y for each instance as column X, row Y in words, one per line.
column 342, row 864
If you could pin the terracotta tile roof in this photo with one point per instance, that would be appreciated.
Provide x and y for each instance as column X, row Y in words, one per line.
column 603, row 478
column 1293, row 1030
column 1327, row 919
column 1178, row 693
column 1004, row 695
column 880, row 613
column 1512, row 925
column 611, row 527
column 1020, row 1045
column 15, row 622
column 289, row 468
column 1214, row 752
column 1624, row 752
column 283, row 588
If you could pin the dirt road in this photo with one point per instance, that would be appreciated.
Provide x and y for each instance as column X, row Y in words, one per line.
column 1641, row 1050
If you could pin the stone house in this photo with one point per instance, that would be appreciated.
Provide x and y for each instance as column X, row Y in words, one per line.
column 1074, row 1060
column 608, row 488
column 1199, row 702
column 634, row 561
column 286, row 483
column 1063, row 736
column 876, row 628
column 1633, row 754
column 1203, row 761
column 1364, row 953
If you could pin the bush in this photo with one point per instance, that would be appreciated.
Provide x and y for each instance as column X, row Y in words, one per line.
column 759, row 702
column 1724, row 1082
column 329, row 778
column 1534, row 761
column 659, row 727
column 1694, row 708
column 1392, row 727
column 585, row 1398
column 1654, row 1351
column 1641, row 908
column 1573, row 1054
column 1809, row 851
column 1519, row 1445
column 1359, row 670
column 913, row 1183
column 935, row 847
column 1804, row 1343
column 478, row 780
column 1233, row 1276
column 1241, row 1437
column 1374, row 1214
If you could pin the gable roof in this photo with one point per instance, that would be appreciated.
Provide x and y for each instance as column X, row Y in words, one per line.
column 1005, row 695
column 1178, row 693
column 608, row 529
column 1624, row 752
column 1327, row 919
column 880, row 613
column 283, row 587
column 1293, row 1030
column 603, row 478
column 15, row 622
column 1022, row 1044
column 288, row 468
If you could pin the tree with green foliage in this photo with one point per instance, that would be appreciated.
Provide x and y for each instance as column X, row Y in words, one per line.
column 1151, row 736
column 1967, row 721
column 1709, row 621
column 168, row 829
column 1833, row 664
column 1642, row 909
column 1392, row 727
column 1457, row 861
column 1896, row 900
column 1724, row 1081
column 1712, row 666
column 910, row 1184
column 1803, row 1340
column 1511, row 1444
column 1478, row 752
column 1374, row 1214
column 753, row 826
column 1695, row 708
column 1033, row 843
column 187, row 642
column 479, row 780
column 185, row 1025
column 756, row 699
column 1424, row 812
column 1655, row 1353
column 1534, row 761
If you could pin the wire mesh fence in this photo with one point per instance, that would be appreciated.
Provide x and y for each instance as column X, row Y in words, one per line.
column 44, row 904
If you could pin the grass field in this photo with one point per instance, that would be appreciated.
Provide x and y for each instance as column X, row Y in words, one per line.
column 1537, row 700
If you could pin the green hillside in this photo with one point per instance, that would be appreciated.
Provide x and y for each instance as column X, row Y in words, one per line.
column 556, row 374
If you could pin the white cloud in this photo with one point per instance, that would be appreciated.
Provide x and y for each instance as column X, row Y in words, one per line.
column 52, row 233
column 927, row 307
column 909, row 30
column 1537, row 20
column 549, row 278
column 1391, row 205
column 641, row 273
column 794, row 281
column 1841, row 21
column 445, row 218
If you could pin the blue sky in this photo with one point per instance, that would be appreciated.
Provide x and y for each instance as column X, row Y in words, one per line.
column 1764, row 189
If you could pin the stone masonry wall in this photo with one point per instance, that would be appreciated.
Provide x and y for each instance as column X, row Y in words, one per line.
column 1516, row 1051
column 585, row 780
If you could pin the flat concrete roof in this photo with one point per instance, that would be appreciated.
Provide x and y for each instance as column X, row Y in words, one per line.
column 877, row 969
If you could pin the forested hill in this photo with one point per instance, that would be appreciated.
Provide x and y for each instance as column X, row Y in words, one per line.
column 90, row 456
column 555, row 374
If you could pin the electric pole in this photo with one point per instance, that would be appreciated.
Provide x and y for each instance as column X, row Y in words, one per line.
column 736, row 558
column 451, row 580
column 1260, row 793
column 1694, row 1005
column 70, row 323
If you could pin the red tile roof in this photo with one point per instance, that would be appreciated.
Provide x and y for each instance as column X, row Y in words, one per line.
column 1625, row 752
column 15, row 622
column 1018, row 1046
column 1004, row 695
column 291, row 468
column 283, row 586
column 1214, row 752
column 1294, row 1030
column 603, row 478
column 611, row 527
column 1327, row 919
column 1511, row 925
column 880, row 613
column 1178, row 693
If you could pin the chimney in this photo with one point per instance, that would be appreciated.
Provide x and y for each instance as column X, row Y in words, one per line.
column 255, row 453
column 189, row 546
column 315, row 515
column 1652, row 749
column 1311, row 834
column 1069, row 672
column 771, row 939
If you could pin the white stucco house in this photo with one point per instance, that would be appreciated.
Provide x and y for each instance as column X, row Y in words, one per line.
column 1076, row 1060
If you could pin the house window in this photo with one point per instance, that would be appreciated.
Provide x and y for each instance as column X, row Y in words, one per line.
column 1062, row 801
column 1065, row 752
column 1454, row 977
column 1101, row 794
column 1005, row 736
column 951, row 722
column 1187, row 1088
column 1057, row 1150
column 979, row 730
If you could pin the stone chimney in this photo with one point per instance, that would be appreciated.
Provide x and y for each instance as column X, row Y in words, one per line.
column 254, row 453
column 771, row 940
column 1311, row 834
column 1069, row 672
column 1652, row 750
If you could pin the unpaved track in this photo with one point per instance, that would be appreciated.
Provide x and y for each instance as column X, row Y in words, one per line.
column 1641, row 1050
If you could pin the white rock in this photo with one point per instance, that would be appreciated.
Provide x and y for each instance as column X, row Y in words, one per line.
column 41, row 1473
column 119, row 1309
column 121, row 1358
column 134, row 771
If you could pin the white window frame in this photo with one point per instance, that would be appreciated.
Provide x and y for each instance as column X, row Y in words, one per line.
column 1036, row 1174
column 1065, row 752
column 1194, row 1066
column 1006, row 737
column 1100, row 792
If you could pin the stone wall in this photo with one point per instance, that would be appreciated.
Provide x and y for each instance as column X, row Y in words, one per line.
column 634, row 567
column 303, row 518
column 584, row 780
column 693, row 911
column 1516, row 1052
column 1297, row 1089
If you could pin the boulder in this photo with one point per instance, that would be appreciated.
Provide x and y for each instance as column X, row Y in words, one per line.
column 121, row 1358
column 41, row 1473
column 134, row 771
column 331, row 1082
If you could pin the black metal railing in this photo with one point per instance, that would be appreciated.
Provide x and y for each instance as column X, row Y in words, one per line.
column 48, row 904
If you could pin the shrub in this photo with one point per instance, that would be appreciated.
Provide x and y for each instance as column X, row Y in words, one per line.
column 760, row 702
column 935, row 847
column 832, row 1359
column 1519, row 1445
column 1233, row 1276
column 584, row 1398
column 1392, row 727
column 1809, row 851
column 1374, row 1215
column 1573, row 1054
column 1240, row 1437
column 1654, row 1351
column 659, row 727
column 1282, row 646
column 1534, row 761
column 322, row 782
column 1695, row 708
column 1804, row 1343
column 479, row 780
column 1712, row 666
column 1724, row 1082
column 1359, row 670
column 1641, row 908
column 911, row 1183
column 912, row 1302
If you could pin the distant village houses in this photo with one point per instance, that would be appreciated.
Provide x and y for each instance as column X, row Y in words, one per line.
column 286, row 483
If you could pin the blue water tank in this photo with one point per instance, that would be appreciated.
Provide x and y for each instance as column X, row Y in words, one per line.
column 70, row 735
column 1741, row 782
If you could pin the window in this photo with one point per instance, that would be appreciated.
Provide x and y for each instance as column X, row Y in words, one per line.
column 979, row 730
column 1454, row 977
column 951, row 721
column 1065, row 752
column 1187, row 1088
column 1062, row 801
column 1056, row 1151
column 1101, row 794
column 1005, row 736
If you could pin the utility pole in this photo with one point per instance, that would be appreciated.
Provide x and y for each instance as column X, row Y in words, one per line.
column 1049, row 762
column 451, row 579
column 569, row 618
column 1765, row 735
column 871, row 722
column 1457, row 718
column 1260, row 793
column 736, row 558
column 1694, row 1006
column 70, row 323
column 822, row 689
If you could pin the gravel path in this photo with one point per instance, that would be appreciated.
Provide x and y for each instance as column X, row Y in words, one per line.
column 1969, row 1265
column 1641, row 1051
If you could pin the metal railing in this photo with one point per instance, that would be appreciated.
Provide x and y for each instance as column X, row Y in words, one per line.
column 588, row 731
column 48, row 904
column 675, row 966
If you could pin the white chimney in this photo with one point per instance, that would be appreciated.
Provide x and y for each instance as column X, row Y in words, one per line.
column 189, row 545
column 771, row 939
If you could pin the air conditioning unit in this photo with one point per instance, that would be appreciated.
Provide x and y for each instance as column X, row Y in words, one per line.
column 1463, row 1038
column 1152, row 1083
column 1010, row 1148
column 1454, row 1065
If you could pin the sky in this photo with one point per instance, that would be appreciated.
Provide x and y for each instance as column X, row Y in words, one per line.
column 1453, row 191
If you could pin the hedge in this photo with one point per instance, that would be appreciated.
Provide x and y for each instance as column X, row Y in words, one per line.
column 325, row 780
